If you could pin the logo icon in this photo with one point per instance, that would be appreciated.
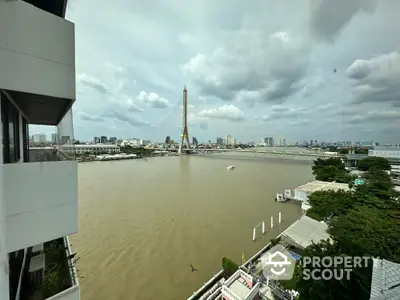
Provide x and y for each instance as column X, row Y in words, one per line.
column 278, row 263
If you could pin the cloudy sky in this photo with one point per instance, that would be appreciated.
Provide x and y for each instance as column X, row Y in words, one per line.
column 252, row 68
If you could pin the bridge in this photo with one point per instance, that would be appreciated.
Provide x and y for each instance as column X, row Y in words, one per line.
column 274, row 152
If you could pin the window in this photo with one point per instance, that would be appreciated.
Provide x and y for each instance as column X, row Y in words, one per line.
column 11, row 142
column 25, row 139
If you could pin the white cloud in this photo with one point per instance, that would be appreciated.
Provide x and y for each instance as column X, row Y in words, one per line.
column 153, row 100
column 226, row 112
column 92, row 82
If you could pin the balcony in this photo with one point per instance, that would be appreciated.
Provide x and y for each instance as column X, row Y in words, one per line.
column 50, row 272
column 37, row 54
column 41, row 200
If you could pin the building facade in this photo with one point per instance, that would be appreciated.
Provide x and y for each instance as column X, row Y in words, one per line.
column 96, row 149
column 392, row 154
column 38, row 198
column 39, row 138
column 230, row 140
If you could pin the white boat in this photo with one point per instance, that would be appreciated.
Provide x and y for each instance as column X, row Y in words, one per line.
column 230, row 167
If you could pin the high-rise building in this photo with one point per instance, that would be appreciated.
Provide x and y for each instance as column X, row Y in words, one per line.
column 195, row 142
column 230, row 140
column 103, row 139
column 39, row 138
column 220, row 141
column 54, row 138
column 113, row 140
column 38, row 200
column 96, row 140
column 144, row 142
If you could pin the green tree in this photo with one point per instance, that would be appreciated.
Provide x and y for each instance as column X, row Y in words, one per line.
column 357, row 287
column 331, row 169
column 368, row 231
column 373, row 162
column 365, row 222
column 229, row 267
column 327, row 203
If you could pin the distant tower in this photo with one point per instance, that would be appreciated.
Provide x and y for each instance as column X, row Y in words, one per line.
column 185, row 132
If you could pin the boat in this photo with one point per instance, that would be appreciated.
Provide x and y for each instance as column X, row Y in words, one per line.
column 230, row 167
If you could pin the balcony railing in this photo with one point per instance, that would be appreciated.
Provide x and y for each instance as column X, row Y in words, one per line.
column 42, row 154
column 51, row 273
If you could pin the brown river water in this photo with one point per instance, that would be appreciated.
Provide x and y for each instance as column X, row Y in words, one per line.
column 143, row 222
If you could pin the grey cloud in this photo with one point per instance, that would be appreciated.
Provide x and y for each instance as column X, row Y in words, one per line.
column 376, row 80
column 282, row 112
column 128, row 118
column 255, row 65
column 92, row 82
column 203, row 125
column 378, row 116
column 299, row 123
column 124, row 102
column 86, row 117
column 329, row 17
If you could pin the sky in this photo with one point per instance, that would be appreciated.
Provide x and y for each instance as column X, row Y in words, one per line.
column 300, row 70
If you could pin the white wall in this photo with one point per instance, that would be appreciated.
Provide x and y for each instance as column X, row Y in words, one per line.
column 37, row 51
column 41, row 202
column 72, row 293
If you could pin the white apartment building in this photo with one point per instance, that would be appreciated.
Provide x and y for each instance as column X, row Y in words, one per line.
column 98, row 148
column 38, row 199
column 144, row 142
column 131, row 142
column 240, row 286
column 39, row 138
column 230, row 140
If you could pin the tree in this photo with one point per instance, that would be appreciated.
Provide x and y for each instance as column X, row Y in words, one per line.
column 368, row 231
column 373, row 162
column 167, row 140
column 327, row 203
column 357, row 287
column 365, row 222
column 331, row 169
column 229, row 267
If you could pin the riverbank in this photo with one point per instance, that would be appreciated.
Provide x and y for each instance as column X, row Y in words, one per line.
column 122, row 156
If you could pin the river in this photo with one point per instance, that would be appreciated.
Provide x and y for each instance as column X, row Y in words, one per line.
column 143, row 222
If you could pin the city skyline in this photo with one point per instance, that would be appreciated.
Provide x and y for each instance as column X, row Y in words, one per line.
column 262, row 67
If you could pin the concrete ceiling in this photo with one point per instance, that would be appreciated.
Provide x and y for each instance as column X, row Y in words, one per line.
column 55, row 7
column 41, row 110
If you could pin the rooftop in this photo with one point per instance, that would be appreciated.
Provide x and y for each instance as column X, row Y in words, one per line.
column 385, row 283
column 305, row 231
column 386, row 148
column 317, row 185
column 240, row 288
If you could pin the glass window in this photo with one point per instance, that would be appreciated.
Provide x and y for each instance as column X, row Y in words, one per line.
column 10, row 120
column 25, row 139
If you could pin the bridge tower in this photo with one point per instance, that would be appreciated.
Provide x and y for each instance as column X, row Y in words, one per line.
column 185, row 132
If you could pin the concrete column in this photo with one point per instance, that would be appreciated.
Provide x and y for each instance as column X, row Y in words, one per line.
column 4, row 268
